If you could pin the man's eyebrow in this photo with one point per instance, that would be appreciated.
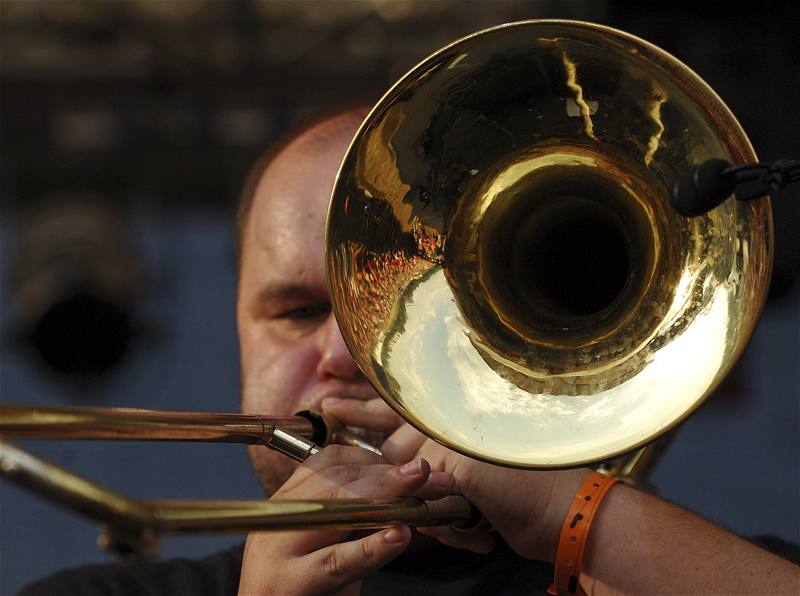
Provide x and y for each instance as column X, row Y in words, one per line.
column 286, row 291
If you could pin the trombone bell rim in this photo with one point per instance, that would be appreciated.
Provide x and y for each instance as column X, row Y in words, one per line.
column 420, row 289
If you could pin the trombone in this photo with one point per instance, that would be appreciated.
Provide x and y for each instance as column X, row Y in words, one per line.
column 507, row 272
column 132, row 526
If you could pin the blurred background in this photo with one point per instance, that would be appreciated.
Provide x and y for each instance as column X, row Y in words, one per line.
column 126, row 130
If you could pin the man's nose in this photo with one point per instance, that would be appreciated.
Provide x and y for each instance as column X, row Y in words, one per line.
column 335, row 359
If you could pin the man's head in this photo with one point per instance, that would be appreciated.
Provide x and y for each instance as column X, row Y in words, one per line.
column 292, row 354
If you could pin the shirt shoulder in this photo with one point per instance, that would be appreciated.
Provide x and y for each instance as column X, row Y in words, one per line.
column 215, row 575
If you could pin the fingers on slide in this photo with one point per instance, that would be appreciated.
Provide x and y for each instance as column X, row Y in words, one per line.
column 339, row 565
column 352, row 472
column 373, row 414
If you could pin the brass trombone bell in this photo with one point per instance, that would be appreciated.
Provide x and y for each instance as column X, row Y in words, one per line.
column 503, row 260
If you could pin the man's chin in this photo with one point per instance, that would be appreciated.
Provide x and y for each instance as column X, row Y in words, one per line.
column 272, row 468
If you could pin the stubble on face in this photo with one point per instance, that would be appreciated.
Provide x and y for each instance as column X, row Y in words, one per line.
column 283, row 310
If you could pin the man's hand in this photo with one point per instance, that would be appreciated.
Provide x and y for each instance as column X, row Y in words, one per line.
column 328, row 561
column 639, row 545
column 527, row 508
column 371, row 414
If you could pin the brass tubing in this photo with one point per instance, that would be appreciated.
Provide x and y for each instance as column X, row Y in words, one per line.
column 145, row 425
column 76, row 493
column 131, row 517
column 245, row 515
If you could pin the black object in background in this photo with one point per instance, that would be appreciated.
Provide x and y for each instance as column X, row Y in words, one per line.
column 710, row 183
column 75, row 285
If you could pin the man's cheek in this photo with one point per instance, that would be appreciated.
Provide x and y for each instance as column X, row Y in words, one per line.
column 257, row 399
column 255, row 391
column 268, row 390
column 251, row 342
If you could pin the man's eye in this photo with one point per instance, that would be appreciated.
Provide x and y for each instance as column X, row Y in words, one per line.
column 304, row 313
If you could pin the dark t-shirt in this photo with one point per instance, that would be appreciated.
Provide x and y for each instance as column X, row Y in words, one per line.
column 444, row 572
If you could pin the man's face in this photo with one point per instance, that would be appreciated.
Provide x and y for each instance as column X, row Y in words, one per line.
column 292, row 353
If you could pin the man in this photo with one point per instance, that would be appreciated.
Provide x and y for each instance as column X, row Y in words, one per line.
column 294, row 358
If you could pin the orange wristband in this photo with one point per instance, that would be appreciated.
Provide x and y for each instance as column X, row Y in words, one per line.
column 575, row 531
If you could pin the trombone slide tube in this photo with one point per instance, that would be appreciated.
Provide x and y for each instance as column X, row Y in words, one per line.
column 262, row 515
column 132, row 517
column 76, row 493
column 147, row 425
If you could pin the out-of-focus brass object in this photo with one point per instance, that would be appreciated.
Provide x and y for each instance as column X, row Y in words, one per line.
column 132, row 526
column 503, row 260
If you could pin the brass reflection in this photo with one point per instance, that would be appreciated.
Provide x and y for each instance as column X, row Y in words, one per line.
column 503, row 260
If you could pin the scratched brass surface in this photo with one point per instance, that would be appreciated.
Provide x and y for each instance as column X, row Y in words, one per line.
column 469, row 170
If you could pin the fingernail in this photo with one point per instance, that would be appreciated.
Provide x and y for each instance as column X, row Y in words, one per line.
column 331, row 401
column 412, row 468
column 393, row 535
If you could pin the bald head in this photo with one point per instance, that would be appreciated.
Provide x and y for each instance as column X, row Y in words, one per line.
column 304, row 142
